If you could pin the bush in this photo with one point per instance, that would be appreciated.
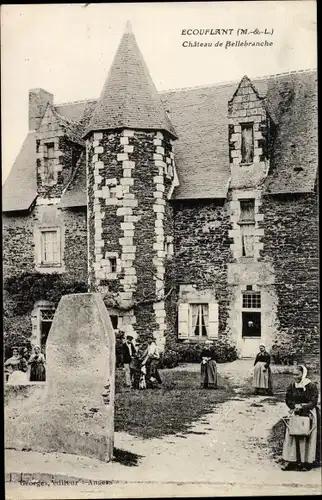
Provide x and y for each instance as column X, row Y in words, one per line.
column 283, row 354
column 169, row 359
column 191, row 353
column 27, row 288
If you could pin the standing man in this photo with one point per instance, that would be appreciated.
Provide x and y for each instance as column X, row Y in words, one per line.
column 128, row 351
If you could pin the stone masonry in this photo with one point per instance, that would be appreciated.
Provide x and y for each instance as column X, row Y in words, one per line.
column 130, row 174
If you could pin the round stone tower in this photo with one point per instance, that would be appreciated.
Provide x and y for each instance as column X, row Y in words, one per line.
column 130, row 176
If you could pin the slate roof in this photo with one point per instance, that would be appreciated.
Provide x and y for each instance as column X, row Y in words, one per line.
column 71, row 128
column 129, row 98
column 200, row 116
column 75, row 194
column 201, row 151
column 20, row 189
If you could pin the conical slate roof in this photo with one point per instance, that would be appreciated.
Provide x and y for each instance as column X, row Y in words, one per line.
column 129, row 98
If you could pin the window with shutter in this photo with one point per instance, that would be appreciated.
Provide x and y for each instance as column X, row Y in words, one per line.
column 213, row 320
column 198, row 320
column 50, row 247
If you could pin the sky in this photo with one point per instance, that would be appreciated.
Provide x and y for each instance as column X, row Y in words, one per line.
column 67, row 49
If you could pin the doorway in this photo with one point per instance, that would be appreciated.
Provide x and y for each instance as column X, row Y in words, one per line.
column 46, row 319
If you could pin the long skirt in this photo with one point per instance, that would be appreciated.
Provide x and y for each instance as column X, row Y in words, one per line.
column 135, row 369
column 308, row 446
column 153, row 373
column 37, row 373
column 17, row 377
column 208, row 375
column 262, row 378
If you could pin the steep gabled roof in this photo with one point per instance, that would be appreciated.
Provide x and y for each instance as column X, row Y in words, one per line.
column 20, row 188
column 129, row 98
column 71, row 128
column 200, row 116
column 293, row 101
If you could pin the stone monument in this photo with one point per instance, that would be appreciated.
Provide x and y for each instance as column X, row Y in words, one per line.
column 75, row 412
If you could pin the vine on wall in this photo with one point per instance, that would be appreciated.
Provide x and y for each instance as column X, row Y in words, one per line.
column 27, row 288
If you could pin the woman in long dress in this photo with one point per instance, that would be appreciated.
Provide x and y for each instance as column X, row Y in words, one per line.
column 302, row 452
column 262, row 377
column 208, row 371
column 17, row 368
column 37, row 368
column 149, row 365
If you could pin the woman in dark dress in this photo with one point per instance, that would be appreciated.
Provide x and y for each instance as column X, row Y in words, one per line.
column 208, row 372
column 16, row 367
column 37, row 362
column 302, row 452
column 262, row 378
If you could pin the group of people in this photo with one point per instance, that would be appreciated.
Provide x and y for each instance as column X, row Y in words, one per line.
column 141, row 368
column 262, row 377
column 17, row 366
column 301, row 449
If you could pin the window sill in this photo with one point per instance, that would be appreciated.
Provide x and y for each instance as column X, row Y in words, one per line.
column 54, row 268
column 49, row 264
column 192, row 340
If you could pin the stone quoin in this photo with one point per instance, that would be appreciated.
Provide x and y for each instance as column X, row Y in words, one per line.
column 192, row 212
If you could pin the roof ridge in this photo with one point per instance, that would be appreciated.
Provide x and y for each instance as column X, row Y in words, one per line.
column 194, row 87
column 75, row 102
column 229, row 82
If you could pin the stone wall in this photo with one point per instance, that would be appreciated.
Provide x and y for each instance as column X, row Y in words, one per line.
column 66, row 155
column 18, row 251
column 130, row 174
column 75, row 252
column 291, row 243
column 202, row 251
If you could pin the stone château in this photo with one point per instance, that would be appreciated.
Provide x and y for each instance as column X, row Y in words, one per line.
column 193, row 212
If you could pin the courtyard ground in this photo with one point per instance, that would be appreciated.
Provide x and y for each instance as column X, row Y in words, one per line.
column 218, row 443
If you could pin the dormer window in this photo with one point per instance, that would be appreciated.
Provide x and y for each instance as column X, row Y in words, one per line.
column 49, row 162
column 247, row 226
column 247, row 143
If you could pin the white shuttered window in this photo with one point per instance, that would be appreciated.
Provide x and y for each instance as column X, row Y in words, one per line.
column 198, row 320
column 50, row 248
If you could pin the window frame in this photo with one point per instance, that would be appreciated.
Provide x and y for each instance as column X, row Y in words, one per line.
column 247, row 125
column 113, row 264
column 199, row 319
column 245, row 223
column 249, row 311
column 185, row 316
column 40, row 263
column 49, row 163
column 44, row 261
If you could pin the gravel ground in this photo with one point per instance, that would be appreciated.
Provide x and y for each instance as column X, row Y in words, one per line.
column 227, row 449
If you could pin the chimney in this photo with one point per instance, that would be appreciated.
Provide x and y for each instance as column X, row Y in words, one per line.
column 38, row 100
